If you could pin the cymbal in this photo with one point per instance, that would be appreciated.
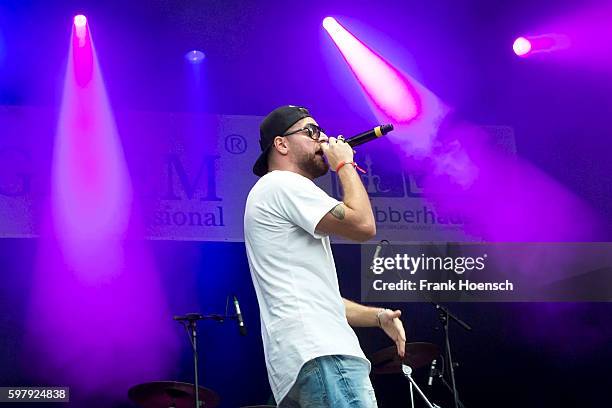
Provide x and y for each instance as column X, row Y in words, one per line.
column 418, row 354
column 162, row 394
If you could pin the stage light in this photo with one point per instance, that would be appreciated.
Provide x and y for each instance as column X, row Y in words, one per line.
column 521, row 46
column 92, row 248
column 80, row 20
column 541, row 43
column 328, row 23
column 387, row 88
column 86, row 204
column 80, row 29
column 195, row 56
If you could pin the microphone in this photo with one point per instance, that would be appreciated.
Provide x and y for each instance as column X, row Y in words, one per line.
column 241, row 325
column 432, row 371
column 377, row 252
column 189, row 317
column 369, row 135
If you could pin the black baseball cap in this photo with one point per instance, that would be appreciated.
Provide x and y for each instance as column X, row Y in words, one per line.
column 275, row 124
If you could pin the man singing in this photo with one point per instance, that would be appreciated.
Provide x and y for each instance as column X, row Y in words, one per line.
column 312, row 355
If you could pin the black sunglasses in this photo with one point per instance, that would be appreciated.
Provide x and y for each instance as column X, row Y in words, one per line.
column 314, row 131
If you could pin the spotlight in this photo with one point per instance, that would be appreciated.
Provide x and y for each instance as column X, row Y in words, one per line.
column 331, row 25
column 392, row 93
column 80, row 29
column 328, row 22
column 541, row 43
column 195, row 56
column 521, row 46
column 80, row 21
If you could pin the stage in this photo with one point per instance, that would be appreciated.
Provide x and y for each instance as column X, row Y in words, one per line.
column 128, row 135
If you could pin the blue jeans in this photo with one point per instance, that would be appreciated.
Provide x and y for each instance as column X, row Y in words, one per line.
column 332, row 382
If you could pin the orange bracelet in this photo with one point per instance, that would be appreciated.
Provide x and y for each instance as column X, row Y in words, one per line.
column 342, row 163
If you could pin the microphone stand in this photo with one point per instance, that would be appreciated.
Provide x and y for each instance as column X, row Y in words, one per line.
column 447, row 385
column 445, row 317
column 193, row 338
column 407, row 370
column 189, row 322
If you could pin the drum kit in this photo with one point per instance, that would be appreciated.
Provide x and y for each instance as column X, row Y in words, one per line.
column 418, row 355
column 174, row 394
column 171, row 394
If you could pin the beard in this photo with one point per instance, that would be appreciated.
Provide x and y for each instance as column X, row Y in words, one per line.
column 313, row 164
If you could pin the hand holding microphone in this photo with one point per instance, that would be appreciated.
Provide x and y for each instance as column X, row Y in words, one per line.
column 337, row 151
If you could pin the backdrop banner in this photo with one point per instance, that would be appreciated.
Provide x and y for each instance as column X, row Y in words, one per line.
column 191, row 173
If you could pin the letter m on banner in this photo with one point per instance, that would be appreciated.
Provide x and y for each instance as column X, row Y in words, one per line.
column 204, row 179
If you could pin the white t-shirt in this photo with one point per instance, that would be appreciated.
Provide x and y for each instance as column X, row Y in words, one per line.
column 293, row 271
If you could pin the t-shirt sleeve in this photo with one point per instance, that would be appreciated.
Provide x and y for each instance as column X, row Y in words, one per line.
column 302, row 202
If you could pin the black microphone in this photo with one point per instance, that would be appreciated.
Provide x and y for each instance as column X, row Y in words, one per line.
column 189, row 317
column 432, row 371
column 369, row 135
column 241, row 325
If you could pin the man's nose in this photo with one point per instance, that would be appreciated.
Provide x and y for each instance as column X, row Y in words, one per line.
column 322, row 137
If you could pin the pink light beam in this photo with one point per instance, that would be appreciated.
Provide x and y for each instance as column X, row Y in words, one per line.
column 97, row 308
column 534, row 44
column 393, row 95
column 384, row 85
column 463, row 172
column 91, row 191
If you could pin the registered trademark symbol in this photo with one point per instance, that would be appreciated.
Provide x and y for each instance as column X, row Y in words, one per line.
column 235, row 144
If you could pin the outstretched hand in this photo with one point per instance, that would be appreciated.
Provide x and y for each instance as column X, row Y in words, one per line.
column 393, row 327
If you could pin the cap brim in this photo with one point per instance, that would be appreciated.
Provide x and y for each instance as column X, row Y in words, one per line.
column 260, row 168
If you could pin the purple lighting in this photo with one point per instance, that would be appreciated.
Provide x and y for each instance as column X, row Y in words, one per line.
column 80, row 29
column 96, row 286
column 581, row 37
column 195, row 56
column 392, row 94
column 544, row 43
column 464, row 173
column 521, row 46
column 91, row 188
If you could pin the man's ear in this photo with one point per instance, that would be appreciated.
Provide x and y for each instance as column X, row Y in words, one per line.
column 280, row 144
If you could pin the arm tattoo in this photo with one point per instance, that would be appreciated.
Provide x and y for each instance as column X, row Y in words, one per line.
column 338, row 211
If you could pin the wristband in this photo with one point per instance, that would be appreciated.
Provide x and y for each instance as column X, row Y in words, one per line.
column 380, row 312
column 342, row 163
